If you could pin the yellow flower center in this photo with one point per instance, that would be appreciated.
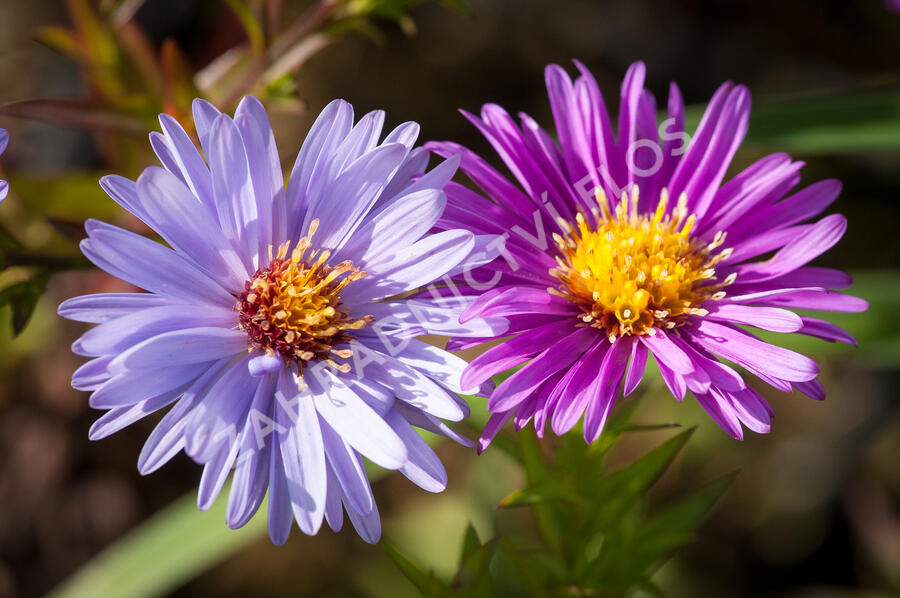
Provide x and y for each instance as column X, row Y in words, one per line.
column 633, row 273
column 293, row 306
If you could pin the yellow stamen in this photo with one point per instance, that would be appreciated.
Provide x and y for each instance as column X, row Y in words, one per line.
column 632, row 272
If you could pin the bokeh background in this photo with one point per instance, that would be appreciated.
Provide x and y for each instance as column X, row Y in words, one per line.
column 816, row 509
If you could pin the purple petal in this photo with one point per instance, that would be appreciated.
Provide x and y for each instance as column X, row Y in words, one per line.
column 494, row 424
column 308, row 174
column 667, row 352
column 767, row 318
column 149, row 265
column 303, row 454
column 191, row 168
column 399, row 225
column 104, row 307
column 412, row 267
column 233, row 188
column 720, row 409
column 514, row 351
column 280, row 515
column 219, row 417
column 521, row 300
column 265, row 364
column 408, row 384
column 181, row 347
column 167, row 437
column 349, row 471
column 423, row 466
column 636, row 367
column 826, row 331
column 357, row 423
column 811, row 388
column 215, row 472
column 816, row 241
column 118, row 418
column 606, row 389
column 118, row 335
column 340, row 211
column 265, row 171
column 251, row 470
column 562, row 353
column 572, row 393
column 133, row 387
column 745, row 349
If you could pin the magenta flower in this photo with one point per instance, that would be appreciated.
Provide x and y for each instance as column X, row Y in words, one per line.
column 622, row 246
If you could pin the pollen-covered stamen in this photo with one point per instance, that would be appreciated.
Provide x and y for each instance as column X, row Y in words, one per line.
column 633, row 273
column 293, row 306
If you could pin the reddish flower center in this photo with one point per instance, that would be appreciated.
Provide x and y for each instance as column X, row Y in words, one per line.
column 293, row 306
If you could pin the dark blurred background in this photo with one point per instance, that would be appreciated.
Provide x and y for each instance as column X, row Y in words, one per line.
column 816, row 510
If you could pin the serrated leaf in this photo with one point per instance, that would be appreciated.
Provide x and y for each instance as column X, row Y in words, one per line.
column 424, row 581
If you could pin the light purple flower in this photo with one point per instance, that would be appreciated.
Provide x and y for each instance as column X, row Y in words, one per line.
column 4, row 141
column 626, row 245
column 270, row 326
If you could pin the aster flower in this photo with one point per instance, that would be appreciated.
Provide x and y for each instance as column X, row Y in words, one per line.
column 270, row 324
column 621, row 247
column 4, row 141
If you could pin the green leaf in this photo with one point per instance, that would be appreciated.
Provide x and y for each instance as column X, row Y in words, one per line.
column 616, row 493
column 837, row 123
column 543, row 491
column 165, row 551
column 470, row 544
column 424, row 581
column 170, row 548
column 252, row 27
column 832, row 123
column 674, row 526
column 538, row 472
column 62, row 40
column 537, row 571
column 22, row 297
column 73, row 197
column 473, row 579
column 8, row 243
